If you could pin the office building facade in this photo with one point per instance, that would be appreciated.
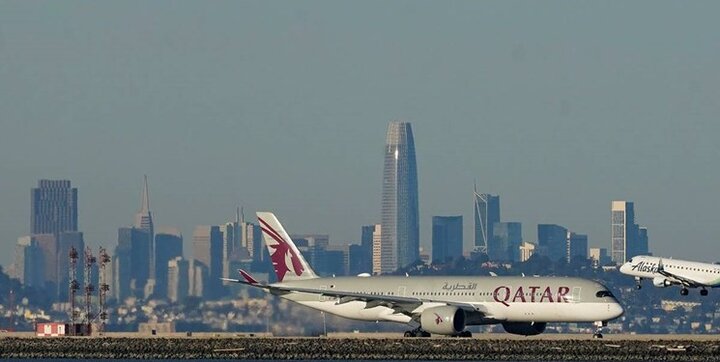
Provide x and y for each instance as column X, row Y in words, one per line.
column 54, row 207
column 177, row 276
column 505, row 243
column 208, row 250
column 487, row 213
column 168, row 246
column 400, row 213
column 552, row 240
column 628, row 238
column 447, row 238
column 577, row 247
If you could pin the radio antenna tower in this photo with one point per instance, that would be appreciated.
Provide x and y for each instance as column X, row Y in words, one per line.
column 104, row 287
column 74, row 286
column 89, row 288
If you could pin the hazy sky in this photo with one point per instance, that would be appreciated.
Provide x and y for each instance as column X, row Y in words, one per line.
column 558, row 107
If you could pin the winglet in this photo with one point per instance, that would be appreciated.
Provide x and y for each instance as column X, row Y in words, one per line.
column 248, row 278
column 660, row 267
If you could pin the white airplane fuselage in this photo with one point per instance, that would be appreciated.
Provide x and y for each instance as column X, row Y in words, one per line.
column 506, row 299
column 646, row 267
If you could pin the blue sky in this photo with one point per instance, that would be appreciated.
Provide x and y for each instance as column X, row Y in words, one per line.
column 559, row 107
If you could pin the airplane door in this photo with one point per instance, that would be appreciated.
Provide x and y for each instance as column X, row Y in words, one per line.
column 402, row 290
column 576, row 294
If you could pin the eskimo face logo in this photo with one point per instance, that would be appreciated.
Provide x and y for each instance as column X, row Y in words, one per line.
column 280, row 253
column 438, row 318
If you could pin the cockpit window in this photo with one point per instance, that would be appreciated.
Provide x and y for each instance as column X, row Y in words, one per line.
column 603, row 294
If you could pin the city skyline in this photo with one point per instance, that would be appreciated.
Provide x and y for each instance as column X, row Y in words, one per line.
column 544, row 104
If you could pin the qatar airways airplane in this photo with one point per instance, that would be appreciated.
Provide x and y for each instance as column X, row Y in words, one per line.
column 434, row 304
column 688, row 274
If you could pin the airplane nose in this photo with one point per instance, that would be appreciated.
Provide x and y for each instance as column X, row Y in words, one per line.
column 615, row 310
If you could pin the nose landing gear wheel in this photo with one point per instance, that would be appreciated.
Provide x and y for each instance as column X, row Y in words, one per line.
column 684, row 291
column 598, row 329
column 703, row 292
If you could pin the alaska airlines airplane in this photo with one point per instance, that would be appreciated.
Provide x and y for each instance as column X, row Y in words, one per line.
column 688, row 274
column 434, row 304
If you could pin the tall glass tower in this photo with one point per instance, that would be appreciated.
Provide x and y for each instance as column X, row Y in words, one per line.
column 400, row 241
column 487, row 213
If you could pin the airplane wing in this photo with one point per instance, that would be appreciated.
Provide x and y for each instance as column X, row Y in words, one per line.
column 401, row 304
column 681, row 279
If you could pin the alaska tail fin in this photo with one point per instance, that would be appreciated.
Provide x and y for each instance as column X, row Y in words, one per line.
column 287, row 261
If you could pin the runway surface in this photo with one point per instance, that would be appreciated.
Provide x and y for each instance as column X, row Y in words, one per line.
column 488, row 347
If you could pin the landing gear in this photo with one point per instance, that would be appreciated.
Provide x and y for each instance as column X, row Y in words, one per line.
column 598, row 329
column 703, row 292
column 638, row 283
column 417, row 332
column 464, row 334
column 684, row 291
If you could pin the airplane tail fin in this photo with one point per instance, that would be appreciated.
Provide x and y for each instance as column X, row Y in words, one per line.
column 287, row 261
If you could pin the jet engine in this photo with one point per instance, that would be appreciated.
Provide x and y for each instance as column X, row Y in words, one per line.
column 445, row 320
column 524, row 328
column 661, row 282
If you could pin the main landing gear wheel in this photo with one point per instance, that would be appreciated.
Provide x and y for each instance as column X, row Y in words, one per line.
column 638, row 286
column 465, row 334
column 703, row 292
column 684, row 291
column 638, row 283
column 416, row 333
column 597, row 335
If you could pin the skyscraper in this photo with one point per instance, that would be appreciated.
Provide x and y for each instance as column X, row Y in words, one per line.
column 168, row 246
column 144, row 222
column 628, row 238
column 54, row 207
column 377, row 250
column 232, row 233
column 361, row 255
column 487, row 213
column 447, row 238
column 178, row 279
column 505, row 242
column 399, row 216
column 48, row 246
column 207, row 249
column 577, row 246
column 552, row 241
column 29, row 266
column 131, row 263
